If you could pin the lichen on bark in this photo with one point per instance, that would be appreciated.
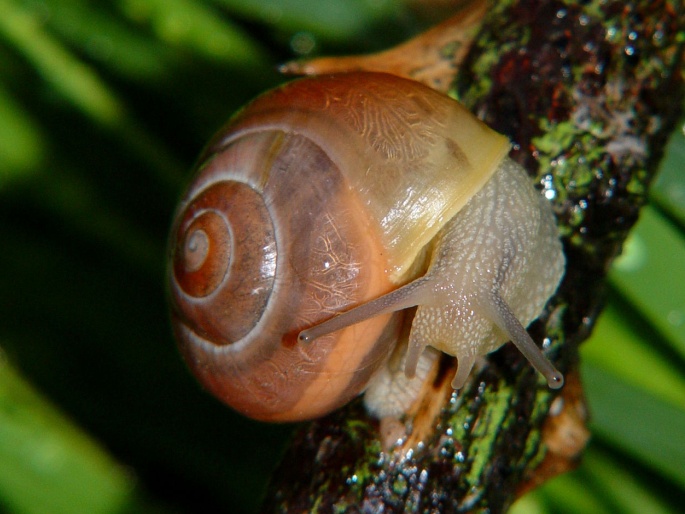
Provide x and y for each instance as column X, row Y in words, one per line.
column 588, row 91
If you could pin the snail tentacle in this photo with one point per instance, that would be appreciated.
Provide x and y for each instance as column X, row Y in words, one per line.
column 409, row 295
column 506, row 320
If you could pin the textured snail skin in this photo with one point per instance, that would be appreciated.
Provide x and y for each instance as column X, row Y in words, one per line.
column 329, row 193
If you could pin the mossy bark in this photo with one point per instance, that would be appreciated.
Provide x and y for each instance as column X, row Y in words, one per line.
column 588, row 91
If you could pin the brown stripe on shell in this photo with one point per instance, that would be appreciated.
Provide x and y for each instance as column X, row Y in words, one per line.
column 461, row 162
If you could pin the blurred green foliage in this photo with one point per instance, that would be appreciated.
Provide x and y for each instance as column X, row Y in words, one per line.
column 103, row 109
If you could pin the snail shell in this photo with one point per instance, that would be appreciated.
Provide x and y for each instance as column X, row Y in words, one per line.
column 334, row 192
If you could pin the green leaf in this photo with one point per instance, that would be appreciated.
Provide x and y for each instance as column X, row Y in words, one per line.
column 195, row 27
column 327, row 19
column 623, row 346
column 649, row 272
column 21, row 140
column 639, row 423
column 47, row 464
column 668, row 191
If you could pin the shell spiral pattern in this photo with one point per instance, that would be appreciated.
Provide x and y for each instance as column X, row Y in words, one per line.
column 251, row 266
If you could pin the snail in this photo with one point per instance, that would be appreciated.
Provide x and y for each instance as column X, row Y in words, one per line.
column 326, row 208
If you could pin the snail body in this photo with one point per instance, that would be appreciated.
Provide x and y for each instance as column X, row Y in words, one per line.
column 362, row 194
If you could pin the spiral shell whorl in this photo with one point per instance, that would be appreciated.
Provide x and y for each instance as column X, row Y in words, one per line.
column 296, row 248
column 212, row 270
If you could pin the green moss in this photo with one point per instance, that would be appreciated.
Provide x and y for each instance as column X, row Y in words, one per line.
column 400, row 486
column 534, row 452
column 486, row 432
column 595, row 9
